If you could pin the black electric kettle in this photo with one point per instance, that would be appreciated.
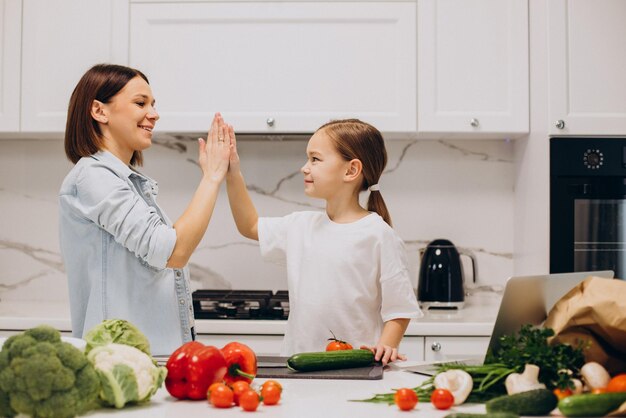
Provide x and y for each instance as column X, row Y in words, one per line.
column 441, row 281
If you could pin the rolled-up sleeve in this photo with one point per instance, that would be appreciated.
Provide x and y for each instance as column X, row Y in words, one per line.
column 112, row 203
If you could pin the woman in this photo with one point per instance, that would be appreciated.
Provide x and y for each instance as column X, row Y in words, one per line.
column 124, row 257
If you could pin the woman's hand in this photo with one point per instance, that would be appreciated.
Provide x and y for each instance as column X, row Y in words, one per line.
column 385, row 353
column 214, row 152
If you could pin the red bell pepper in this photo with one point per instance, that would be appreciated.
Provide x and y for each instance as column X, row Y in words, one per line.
column 241, row 363
column 192, row 368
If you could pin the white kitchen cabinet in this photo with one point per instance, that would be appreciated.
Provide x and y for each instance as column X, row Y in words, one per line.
column 260, row 344
column 455, row 348
column 10, row 33
column 61, row 40
column 587, row 60
column 412, row 348
column 278, row 66
column 473, row 68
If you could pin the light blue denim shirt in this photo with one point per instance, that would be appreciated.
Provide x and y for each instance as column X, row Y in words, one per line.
column 115, row 242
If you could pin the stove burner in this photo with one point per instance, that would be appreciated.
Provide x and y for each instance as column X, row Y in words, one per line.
column 240, row 304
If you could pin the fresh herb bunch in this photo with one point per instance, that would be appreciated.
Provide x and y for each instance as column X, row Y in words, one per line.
column 557, row 363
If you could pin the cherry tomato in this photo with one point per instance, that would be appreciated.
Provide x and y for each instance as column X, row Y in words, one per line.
column 239, row 387
column 272, row 383
column 221, row 396
column 442, row 398
column 249, row 400
column 562, row 393
column 270, row 394
column 406, row 399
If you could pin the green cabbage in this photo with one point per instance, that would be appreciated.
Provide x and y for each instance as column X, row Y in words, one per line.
column 117, row 331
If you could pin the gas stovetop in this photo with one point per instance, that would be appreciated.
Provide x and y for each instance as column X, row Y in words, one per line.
column 240, row 304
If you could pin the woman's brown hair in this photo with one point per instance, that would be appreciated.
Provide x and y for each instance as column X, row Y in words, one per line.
column 355, row 139
column 82, row 132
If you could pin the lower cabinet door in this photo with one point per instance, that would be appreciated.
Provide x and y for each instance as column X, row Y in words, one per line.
column 260, row 344
column 455, row 348
column 412, row 348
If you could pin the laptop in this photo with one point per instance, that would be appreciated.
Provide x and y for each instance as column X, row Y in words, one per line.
column 526, row 300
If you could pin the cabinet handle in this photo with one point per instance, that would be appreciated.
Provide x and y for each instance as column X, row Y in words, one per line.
column 270, row 121
column 436, row 346
column 560, row 124
column 474, row 122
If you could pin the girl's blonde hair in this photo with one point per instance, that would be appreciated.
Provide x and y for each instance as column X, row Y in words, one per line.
column 355, row 139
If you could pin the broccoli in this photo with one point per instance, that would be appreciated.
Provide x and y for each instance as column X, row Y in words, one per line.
column 42, row 376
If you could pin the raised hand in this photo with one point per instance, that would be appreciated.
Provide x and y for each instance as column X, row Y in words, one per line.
column 214, row 152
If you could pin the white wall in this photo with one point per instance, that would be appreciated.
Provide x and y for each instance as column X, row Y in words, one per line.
column 459, row 190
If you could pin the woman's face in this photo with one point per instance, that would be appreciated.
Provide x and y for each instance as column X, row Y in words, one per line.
column 132, row 116
column 324, row 169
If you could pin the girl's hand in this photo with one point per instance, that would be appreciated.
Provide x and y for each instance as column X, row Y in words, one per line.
column 234, row 166
column 214, row 152
column 385, row 353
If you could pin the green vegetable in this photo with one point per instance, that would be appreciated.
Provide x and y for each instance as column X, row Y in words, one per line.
column 42, row 376
column 117, row 331
column 330, row 360
column 491, row 415
column 530, row 346
column 533, row 402
column 127, row 374
column 591, row 405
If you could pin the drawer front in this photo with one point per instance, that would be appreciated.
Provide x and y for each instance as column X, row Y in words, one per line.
column 455, row 348
column 260, row 344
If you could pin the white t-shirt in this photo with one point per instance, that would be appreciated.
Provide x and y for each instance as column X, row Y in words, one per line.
column 345, row 278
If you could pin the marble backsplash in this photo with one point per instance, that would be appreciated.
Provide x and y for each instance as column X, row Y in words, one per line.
column 460, row 190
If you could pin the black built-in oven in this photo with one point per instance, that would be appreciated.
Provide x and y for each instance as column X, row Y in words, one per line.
column 588, row 205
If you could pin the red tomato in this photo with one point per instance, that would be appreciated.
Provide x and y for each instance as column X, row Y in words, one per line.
column 442, row 398
column 239, row 387
column 270, row 394
column 562, row 393
column 337, row 344
column 249, row 400
column 617, row 383
column 272, row 383
column 406, row 399
column 221, row 396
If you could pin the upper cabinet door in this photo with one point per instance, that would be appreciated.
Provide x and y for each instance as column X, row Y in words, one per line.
column 10, row 33
column 278, row 66
column 587, row 67
column 61, row 40
column 473, row 68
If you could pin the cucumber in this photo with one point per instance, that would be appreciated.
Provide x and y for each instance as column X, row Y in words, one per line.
column 491, row 415
column 533, row 402
column 589, row 404
column 330, row 360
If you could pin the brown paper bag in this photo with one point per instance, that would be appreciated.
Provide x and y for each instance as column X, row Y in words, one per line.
column 594, row 312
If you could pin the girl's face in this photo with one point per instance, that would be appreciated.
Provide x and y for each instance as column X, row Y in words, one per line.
column 325, row 169
column 131, row 117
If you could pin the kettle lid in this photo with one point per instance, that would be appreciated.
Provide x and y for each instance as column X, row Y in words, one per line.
column 440, row 242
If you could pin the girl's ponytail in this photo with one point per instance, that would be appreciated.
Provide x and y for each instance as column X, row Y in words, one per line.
column 376, row 203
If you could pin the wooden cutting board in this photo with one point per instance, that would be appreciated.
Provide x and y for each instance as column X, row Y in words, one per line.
column 276, row 368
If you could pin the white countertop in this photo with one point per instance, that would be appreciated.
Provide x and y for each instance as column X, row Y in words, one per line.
column 475, row 319
column 302, row 398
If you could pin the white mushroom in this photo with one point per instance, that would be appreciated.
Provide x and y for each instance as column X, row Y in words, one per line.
column 459, row 382
column 529, row 380
column 595, row 375
column 578, row 387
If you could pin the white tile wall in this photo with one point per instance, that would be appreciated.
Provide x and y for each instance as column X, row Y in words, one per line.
column 459, row 190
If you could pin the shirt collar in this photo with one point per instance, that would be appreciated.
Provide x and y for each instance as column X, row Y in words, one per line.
column 115, row 163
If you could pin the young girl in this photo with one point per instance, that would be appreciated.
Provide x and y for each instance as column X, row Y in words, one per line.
column 123, row 256
column 346, row 267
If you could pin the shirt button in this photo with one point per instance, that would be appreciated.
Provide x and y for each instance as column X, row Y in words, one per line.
column 182, row 301
column 178, row 273
column 147, row 194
